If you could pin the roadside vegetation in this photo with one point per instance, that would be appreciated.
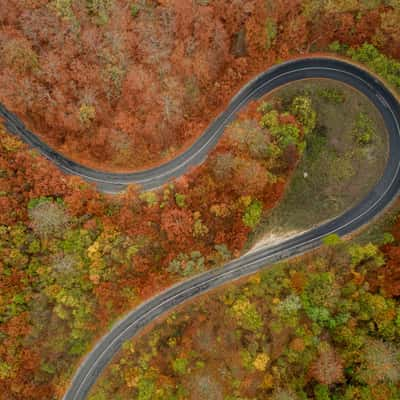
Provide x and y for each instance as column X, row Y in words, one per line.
column 367, row 54
column 125, row 84
column 323, row 327
column 344, row 156
column 72, row 260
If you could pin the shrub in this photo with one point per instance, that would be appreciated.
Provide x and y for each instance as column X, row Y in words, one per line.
column 335, row 96
column 302, row 108
column 134, row 10
column 363, row 131
column 332, row 240
column 388, row 238
column 253, row 214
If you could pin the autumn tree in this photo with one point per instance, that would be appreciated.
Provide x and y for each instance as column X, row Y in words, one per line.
column 379, row 363
column 327, row 368
column 48, row 217
column 177, row 224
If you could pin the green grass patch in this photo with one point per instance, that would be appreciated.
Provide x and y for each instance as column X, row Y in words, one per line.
column 345, row 156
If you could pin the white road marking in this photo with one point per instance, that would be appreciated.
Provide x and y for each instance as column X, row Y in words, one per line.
column 260, row 253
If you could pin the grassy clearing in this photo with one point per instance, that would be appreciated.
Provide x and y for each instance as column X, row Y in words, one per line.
column 345, row 156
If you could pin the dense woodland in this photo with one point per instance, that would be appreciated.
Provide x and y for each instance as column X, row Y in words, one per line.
column 73, row 260
column 326, row 327
column 123, row 84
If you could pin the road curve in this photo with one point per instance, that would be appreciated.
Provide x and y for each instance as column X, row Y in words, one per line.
column 194, row 155
column 377, row 199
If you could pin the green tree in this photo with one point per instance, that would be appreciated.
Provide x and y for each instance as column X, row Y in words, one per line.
column 364, row 131
column 361, row 254
column 321, row 392
column 146, row 389
column 180, row 200
column 302, row 108
column 252, row 214
column 388, row 68
column 247, row 315
column 271, row 31
column 332, row 240
column 180, row 365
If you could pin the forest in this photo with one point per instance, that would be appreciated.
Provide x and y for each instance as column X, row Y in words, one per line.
column 122, row 85
column 323, row 327
column 73, row 260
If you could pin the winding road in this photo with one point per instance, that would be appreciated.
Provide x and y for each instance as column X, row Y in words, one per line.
column 383, row 193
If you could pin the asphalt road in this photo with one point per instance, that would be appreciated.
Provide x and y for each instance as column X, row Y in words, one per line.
column 155, row 177
column 376, row 201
